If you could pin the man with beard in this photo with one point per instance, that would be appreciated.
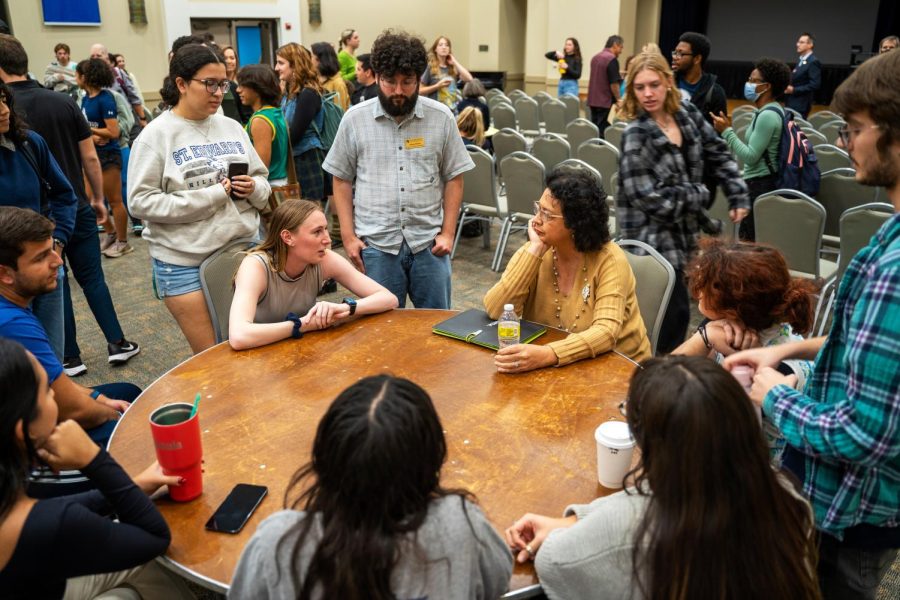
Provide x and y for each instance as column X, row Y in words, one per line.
column 843, row 429
column 688, row 60
column 406, row 158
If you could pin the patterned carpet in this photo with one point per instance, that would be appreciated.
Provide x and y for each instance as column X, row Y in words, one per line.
column 146, row 321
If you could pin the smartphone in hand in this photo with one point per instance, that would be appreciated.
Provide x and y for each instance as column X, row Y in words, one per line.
column 234, row 169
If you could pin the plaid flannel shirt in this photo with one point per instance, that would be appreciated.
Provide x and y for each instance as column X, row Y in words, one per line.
column 661, row 199
column 847, row 422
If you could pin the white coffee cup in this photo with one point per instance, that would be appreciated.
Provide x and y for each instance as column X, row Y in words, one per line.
column 614, row 449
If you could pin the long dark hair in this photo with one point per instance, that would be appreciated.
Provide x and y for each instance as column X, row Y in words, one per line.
column 19, row 403
column 375, row 467
column 328, row 60
column 18, row 130
column 719, row 524
column 185, row 63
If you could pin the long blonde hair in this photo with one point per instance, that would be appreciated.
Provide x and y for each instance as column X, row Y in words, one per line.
column 434, row 63
column 304, row 74
column 470, row 123
column 290, row 215
column 653, row 61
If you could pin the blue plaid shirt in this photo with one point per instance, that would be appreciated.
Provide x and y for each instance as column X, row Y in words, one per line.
column 847, row 422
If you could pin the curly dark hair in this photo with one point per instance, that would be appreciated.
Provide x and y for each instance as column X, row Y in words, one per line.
column 775, row 73
column 699, row 44
column 583, row 203
column 17, row 128
column 398, row 52
column 95, row 73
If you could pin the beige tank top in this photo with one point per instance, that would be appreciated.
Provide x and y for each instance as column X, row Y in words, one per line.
column 284, row 295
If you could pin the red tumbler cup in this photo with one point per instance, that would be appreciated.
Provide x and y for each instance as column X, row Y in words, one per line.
column 176, row 436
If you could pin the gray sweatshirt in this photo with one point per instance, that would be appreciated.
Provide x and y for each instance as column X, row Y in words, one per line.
column 453, row 561
column 173, row 185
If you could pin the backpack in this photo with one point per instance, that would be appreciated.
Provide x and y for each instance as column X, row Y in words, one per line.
column 331, row 120
column 124, row 117
column 798, row 167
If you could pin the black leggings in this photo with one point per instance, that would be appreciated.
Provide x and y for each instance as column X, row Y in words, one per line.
column 675, row 322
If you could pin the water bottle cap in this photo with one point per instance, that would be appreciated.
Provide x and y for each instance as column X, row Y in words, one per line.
column 508, row 307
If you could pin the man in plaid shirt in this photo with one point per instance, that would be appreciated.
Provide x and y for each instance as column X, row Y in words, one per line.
column 843, row 430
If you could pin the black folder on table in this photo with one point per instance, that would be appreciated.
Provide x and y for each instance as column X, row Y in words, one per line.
column 476, row 327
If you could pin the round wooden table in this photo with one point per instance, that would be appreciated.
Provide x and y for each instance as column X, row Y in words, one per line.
column 521, row 443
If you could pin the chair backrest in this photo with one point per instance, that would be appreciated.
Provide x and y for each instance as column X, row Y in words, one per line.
column 573, row 106
column 654, row 280
column 823, row 116
column 741, row 119
column 743, row 108
column 815, row 138
column 553, row 114
column 516, row 94
column 506, row 141
column 527, row 115
column 551, row 150
column 858, row 225
column 601, row 155
column 613, row 135
column 541, row 97
column 488, row 94
column 741, row 131
column 524, row 177
column 479, row 185
column 579, row 131
column 574, row 163
column 831, row 130
column 831, row 157
column 216, row 281
column 794, row 223
column 503, row 115
column 838, row 192
column 719, row 210
column 496, row 100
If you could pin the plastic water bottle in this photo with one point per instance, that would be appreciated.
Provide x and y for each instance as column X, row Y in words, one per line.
column 508, row 327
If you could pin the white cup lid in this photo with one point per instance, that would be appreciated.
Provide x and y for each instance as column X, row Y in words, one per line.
column 614, row 434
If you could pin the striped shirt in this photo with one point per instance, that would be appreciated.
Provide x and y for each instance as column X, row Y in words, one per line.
column 399, row 170
column 661, row 197
column 847, row 422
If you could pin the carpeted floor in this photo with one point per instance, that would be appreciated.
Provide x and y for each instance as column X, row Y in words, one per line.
column 146, row 321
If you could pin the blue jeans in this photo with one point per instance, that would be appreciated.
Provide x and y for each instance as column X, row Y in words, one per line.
column 126, row 153
column 48, row 308
column 424, row 276
column 114, row 391
column 83, row 257
column 567, row 86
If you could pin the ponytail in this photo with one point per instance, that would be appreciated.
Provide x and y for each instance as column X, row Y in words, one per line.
column 798, row 308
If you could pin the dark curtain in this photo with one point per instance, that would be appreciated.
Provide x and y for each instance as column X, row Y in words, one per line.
column 888, row 22
column 678, row 16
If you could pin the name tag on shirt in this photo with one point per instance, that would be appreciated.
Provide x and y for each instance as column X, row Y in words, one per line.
column 413, row 143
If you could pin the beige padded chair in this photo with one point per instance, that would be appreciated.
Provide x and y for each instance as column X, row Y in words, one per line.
column 493, row 92
column 610, row 202
column 601, row 155
column 504, row 116
column 654, row 280
column 742, row 119
column 743, row 108
column 858, row 225
column 719, row 210
column 541, row 97
column 551, row 150
column 831, row 157
column 573, row 106
column 527, row 116
column 831, row 130
column 823, row 116
column 815, row 138
column 838, row 192
column 515, row 94
column 613, row 134
column 794, row 223
column 480, row 201
column 553, row 114
column 524, row 176
column 506, row 141
column 496, row 100
column 217, row 282
column 579, row 131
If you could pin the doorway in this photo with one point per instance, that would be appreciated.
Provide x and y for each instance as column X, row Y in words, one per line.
column 253, row 40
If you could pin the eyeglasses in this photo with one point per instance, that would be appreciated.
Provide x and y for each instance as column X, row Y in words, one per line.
column 212, row 85
column 679, row 54
column 543, row 213
column 407, row 83
column 845, row 132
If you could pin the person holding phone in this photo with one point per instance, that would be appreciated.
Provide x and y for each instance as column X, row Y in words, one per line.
column 68, row 546
column 181, row 183
column 367, row 517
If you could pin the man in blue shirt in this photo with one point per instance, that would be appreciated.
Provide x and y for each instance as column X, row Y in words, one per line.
column 28, row 267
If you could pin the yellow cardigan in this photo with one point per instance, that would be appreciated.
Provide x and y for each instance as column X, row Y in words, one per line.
column 610, row 318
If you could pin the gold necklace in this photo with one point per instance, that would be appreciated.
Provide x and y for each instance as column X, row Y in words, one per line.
column 585, row 294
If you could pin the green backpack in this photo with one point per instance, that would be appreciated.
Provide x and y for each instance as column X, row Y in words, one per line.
column 331, row 120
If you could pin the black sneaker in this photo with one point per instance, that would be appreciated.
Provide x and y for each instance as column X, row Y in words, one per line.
column 121, row 352
column 73, row 366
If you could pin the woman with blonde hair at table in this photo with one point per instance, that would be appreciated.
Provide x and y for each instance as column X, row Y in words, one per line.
column 706, row 517
column 277, row 283
column 570, row 275
column 439, row 81
column 367, row 516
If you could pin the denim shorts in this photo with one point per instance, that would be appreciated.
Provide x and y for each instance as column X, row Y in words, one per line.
column 174, row 280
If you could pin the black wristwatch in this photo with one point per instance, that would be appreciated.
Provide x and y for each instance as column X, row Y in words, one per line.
column 351, row 303
column 701, row 329
column 295, row 319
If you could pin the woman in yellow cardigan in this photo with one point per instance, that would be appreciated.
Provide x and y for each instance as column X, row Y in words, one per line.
column 569, row 275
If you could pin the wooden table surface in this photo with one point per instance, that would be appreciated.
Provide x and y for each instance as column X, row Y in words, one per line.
column 521, row 443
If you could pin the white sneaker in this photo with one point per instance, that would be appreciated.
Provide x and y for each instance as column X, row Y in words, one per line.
column 118, row 249
column 106, row 241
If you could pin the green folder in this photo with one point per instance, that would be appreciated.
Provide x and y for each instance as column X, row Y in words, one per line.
column 476, row 327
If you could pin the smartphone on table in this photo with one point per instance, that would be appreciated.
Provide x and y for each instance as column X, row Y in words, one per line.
column 235, row 510
column 234, row 169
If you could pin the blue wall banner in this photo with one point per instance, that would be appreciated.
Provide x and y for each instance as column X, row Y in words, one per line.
column 71, row 12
